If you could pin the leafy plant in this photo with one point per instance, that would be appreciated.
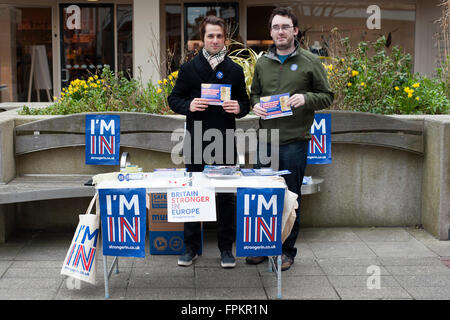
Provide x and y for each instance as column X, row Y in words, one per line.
column 246, row 58
column 110, row 92
column 369, row 79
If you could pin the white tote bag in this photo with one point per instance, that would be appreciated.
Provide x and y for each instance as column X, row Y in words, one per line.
column 289, row 214
column 80, row 262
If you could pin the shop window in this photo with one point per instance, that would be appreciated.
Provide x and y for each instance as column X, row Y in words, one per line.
column 125, row 40
column 194, row 14
column 317, row 19
column 173, row 38
column 87, row 44
column 22, row 30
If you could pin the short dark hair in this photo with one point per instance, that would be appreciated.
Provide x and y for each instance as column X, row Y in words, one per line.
column 214, row 21
column 285, row 12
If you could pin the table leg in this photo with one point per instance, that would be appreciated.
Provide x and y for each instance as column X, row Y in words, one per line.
column 106, row 276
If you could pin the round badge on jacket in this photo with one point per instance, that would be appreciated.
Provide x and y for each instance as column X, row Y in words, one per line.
column 294, row 67
column 219, row 75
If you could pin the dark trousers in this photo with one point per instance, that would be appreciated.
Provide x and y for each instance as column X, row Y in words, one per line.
column 226, row 228
column 226, row 221
column 292, row 157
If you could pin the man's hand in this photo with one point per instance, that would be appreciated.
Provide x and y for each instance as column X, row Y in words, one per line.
column 297, row 100
column 231, row 106
column 259, row 111
column 198, row 104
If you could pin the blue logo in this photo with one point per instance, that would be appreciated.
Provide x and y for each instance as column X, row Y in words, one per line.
column 294, row 67
column 219, row 75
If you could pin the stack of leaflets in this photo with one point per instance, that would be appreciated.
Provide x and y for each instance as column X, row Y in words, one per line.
column 276, row 106
column 221, row 171
column 216, row 93
column 263, row 172
column 169, row 173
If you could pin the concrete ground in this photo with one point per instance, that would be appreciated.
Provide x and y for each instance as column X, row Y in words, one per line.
column 333, row 263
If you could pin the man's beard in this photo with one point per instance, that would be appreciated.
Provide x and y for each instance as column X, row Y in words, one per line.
column 285, row 46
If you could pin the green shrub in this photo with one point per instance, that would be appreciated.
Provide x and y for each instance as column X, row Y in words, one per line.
column 109, row 92
column 369, row 79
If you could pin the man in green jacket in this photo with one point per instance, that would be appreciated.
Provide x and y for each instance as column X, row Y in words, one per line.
column 287, row 68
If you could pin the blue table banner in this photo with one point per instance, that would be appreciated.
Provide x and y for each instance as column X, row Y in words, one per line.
column 258, row 229
column 123, row 215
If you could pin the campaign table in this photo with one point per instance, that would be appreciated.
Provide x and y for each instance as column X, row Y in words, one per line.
column 160, row 183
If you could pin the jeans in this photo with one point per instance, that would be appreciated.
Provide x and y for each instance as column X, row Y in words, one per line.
column 292, row 157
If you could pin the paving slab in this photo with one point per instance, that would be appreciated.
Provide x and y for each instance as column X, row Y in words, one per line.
column 407, row 281
column 361, row 293
column 409, row 261
column 382, row 234
column 341, row 250
column 343, row 270
column 418, row 270
column 402, row 261
column 354, row 281
column 28, row 294
column 270, row 280
column 328, row 235
column 411, row 249
column 231, row 294
column 304, row 293
column 430, row 293
column 159, row 294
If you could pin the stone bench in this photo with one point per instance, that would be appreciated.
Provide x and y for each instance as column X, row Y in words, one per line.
column 59, row 141
column 138, row 131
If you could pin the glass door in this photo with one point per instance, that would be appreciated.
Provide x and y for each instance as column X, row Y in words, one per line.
column 87, row 40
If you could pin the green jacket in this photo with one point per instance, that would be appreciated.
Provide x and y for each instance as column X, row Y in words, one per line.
column 302, row 72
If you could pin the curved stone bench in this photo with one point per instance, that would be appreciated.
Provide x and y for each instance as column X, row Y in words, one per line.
column 63, row 136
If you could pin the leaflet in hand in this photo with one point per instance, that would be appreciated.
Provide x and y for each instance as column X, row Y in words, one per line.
column 276, row 106
column 216, row 93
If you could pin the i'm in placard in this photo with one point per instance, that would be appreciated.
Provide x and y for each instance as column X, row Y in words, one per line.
column 123, row 214
column 259, row 214
column 102, row 139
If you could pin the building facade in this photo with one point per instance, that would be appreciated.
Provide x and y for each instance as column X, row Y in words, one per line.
column 45, row 44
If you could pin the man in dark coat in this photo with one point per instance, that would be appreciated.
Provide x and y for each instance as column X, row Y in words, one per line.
column 210, row 66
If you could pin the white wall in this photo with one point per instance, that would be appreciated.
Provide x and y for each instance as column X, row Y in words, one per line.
column 426, row 54
column 146, row 40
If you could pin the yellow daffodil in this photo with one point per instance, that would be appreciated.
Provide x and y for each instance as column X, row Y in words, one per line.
column 354, row 73
column 410, row 94
column 342, row 60
column 170, row 77
column 165, row 81
column 363, row 84
column 160, row 82
column 172, row 84
column 396, row 88
column 159, row 90
column 96, row 77
column 349, row 84
column 417, row 98
column 416, row 85
column 175, row 74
